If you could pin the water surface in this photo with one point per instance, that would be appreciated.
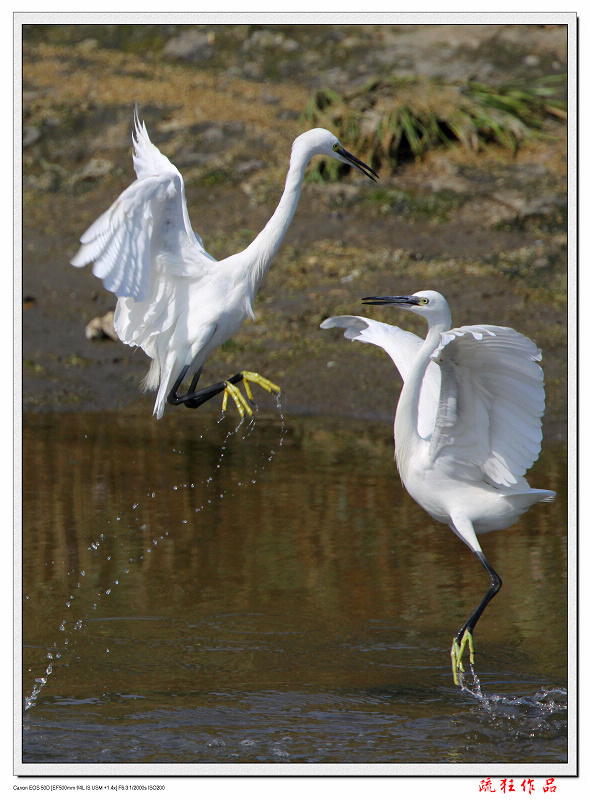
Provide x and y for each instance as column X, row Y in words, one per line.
column 200, row 595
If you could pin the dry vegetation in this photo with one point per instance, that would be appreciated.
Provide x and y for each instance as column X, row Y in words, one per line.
column 477, row 213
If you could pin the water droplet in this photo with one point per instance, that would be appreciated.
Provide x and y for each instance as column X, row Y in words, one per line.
column 216, row 743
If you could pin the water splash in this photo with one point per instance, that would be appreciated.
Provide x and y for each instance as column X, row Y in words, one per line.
column 542, row 704
column 39, row 683
column 73, row 621
column 246, row 427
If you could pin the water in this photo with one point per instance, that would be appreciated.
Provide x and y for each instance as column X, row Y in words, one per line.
column 196, row 594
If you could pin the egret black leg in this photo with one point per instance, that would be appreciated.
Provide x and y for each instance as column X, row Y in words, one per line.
column 495, row 584
column 464, row 635
column 194, row 398
column 195, row 380
column 173, row 397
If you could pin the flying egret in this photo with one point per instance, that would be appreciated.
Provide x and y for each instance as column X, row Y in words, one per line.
column 174, row 299
column 467, row 426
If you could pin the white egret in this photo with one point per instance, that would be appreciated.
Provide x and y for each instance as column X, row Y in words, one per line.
column 467, row 426
column 175, row 300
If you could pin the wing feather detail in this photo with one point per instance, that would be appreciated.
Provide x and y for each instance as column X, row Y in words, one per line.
column 146, row 233
column 492, row 398
column 401, row 346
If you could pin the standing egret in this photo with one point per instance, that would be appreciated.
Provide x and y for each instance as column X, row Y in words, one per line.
column 174, row 299
column 467, row 426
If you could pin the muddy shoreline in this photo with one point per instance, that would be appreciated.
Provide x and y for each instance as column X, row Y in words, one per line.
column 486, row 229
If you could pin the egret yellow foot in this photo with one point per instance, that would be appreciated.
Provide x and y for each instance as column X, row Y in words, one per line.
column 238, row 398
column 457, row 650
column 262, row 382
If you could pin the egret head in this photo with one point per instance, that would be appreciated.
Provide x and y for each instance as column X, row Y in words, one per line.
column 430, row 305
column 321, row 142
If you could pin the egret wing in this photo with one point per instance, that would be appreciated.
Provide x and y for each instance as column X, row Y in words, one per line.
column 147, row 231
column 148, row 161
column 401, row 346
column 492, row 398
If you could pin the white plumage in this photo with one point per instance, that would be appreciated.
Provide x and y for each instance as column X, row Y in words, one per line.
column 488, row 423
column 401, row 346
column 174, row 299
column 468, row 421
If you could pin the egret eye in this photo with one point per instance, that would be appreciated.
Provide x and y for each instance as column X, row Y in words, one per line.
column 423, row 301
column 335, row 147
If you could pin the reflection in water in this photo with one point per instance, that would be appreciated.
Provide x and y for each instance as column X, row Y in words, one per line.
column 273, row 589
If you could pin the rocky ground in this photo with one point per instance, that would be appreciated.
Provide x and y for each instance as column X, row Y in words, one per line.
column 488, row 229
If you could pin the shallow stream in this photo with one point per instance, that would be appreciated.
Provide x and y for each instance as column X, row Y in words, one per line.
column 200, row 594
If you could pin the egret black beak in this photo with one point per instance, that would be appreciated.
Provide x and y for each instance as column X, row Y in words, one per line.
column 356, row 162
column 409, row 300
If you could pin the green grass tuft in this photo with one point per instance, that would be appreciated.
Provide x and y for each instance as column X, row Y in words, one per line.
column 389, row 121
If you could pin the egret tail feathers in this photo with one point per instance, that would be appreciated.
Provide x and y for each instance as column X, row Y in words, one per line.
column 169, row 370
column 532, row 496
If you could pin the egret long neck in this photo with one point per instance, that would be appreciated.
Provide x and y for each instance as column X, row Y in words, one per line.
column 407, row 438
column 264, row 248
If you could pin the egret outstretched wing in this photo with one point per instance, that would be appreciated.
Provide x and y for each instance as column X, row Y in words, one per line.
column 487, row 425
column 146, row 231
column 148, row 161
column 401, row 346
column 169, row 288
column 492, row 398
